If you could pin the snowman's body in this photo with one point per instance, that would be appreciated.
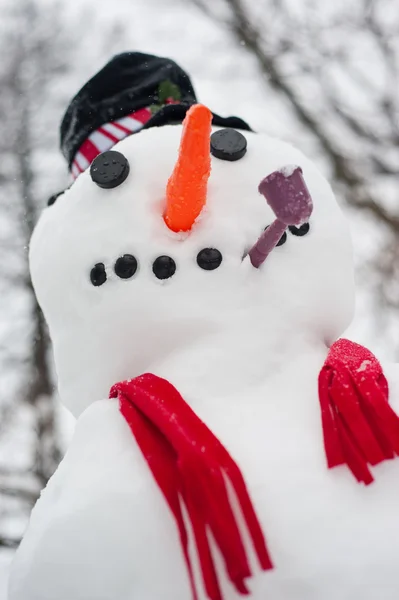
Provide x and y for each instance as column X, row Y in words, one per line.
column 243, row 346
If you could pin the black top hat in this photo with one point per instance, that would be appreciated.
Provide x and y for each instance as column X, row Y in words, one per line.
column 129, row 82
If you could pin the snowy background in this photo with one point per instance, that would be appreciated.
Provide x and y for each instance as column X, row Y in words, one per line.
column 322, row 75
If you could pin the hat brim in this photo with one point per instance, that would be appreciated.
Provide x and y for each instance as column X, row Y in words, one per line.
column 173, row 114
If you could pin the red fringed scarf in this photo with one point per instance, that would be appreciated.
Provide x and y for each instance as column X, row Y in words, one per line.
column 189, row 465
column 360, row 428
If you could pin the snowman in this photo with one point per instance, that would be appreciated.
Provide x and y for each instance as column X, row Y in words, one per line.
column 196, row 279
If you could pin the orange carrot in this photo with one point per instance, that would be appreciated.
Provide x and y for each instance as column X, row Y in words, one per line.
column 187, row 186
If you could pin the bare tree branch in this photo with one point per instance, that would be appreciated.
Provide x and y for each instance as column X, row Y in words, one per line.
column 33, row 57
column 360, row 145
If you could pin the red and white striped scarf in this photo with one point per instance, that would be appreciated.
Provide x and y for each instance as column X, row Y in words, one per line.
column 106, row 136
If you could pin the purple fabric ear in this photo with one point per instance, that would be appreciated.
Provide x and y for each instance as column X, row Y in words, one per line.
column 288, row 196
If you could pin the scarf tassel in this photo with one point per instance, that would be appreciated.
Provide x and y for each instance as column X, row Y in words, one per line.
column 359, row 426
column 190, row 466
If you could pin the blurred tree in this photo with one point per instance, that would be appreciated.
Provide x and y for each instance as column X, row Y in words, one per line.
column 35, row 57
column 47, row 54
column 336, row 66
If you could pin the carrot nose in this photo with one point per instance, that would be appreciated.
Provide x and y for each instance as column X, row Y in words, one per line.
column 187, row 186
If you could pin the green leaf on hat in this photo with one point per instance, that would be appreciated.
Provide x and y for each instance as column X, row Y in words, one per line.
column 168, row 90
column 154, row 108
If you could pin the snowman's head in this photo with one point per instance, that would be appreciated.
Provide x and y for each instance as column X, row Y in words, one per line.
column 121, row 290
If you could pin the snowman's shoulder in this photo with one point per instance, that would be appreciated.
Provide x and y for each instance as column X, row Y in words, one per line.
column 101, row 466
column 99, row 425
column 102, row 456
column 102, row 449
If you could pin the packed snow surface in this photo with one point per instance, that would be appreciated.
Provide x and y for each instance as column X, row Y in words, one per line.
column 244, row 346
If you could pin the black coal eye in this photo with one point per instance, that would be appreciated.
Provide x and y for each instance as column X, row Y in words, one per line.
column 109, row 169
column 53, row 198
column 228, row 144
column 98, row 275
column 283, row 238
column 299, row 231
column 164, row 267
column 126, row 266
column 209, row 259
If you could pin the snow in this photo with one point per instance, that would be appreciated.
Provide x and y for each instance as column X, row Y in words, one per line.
column 288, row 170
column 129, row 219
column 103, row 526
column 363, row 366
column 244, row 346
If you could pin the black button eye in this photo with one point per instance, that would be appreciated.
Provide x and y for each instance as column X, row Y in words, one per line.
column 98, row 275
column 283, row 238
column 209, row 259
column 299, row 231
column 228, row 144
column 164, row 267
column 109, row 169
column 126, row 266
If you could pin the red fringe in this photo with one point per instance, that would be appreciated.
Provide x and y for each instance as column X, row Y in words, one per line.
column 189, row 464
column 359, row 426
